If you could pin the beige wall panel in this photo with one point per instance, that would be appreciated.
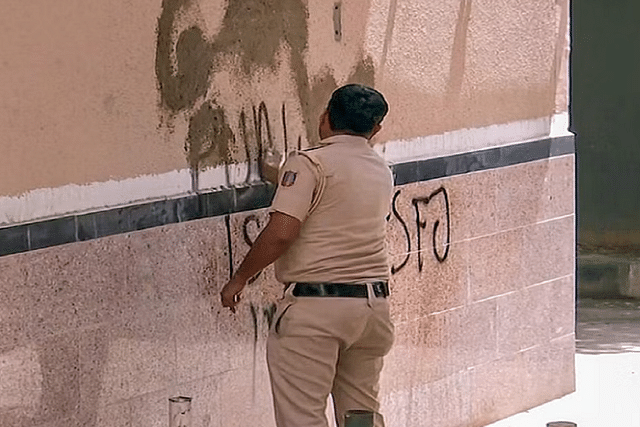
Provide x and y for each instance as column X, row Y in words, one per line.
column 549, row 250
column 472, row 335
column 326, row 55
column 503, row 274
column 95, row 92
column 474, row 208
column 562, row 52
column 525, row 319
column 516, row 383
column 79, row 97
column 478, row 63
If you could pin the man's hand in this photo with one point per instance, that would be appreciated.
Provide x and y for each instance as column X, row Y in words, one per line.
column 273, row 241
column 270, row 166
column 230, row 294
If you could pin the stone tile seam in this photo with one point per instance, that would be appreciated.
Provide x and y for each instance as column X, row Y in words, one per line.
column 512, row 354
column 494, row 297
column 458, row 307
column 521, row 289
column 507, row 230
column 546, row 282
column 472, row 302
column 536, row 346
column 563, row 337
column 483, row 236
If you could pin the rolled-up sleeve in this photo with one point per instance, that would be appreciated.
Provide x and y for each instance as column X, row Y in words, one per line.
column 296, row 183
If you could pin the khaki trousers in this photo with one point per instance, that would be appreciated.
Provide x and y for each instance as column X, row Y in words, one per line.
column 326, row 345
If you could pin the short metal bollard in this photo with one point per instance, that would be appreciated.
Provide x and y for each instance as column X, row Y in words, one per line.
column 180, row 411
column 358, row 418
column 562, row 424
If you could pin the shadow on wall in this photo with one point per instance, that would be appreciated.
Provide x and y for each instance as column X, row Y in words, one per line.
column 251, row 31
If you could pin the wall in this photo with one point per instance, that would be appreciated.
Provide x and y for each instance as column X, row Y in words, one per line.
column 130, row 190
column 106, row 105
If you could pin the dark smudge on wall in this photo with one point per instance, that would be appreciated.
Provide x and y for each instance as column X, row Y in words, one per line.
column 181, row 88
column 252, row 31
column 209, row 137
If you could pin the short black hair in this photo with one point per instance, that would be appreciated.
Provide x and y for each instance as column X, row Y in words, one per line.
column 356, row 108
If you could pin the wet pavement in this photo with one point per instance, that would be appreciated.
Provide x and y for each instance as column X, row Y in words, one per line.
column 607, row 371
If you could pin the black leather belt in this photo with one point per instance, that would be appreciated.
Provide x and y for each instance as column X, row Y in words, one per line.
column 345, row 290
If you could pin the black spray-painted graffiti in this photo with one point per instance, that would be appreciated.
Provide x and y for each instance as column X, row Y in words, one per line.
column 437, row 222
column 209, row 138
column 440, row 251
column 262, row 314
column 251, row 226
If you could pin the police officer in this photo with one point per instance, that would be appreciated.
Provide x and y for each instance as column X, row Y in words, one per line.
column 326, row 235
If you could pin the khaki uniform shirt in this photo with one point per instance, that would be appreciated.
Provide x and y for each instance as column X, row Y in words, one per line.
column 343, row 239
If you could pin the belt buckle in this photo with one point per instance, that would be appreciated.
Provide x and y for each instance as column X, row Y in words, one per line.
column 378, row 289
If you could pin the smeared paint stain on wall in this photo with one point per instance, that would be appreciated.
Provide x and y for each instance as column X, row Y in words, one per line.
column 209, row 137
column 323, row 86
column 252, row 31
column 459, row 49
column 183, row 82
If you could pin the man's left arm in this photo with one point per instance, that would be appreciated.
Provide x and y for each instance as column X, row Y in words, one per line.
column 281, row 231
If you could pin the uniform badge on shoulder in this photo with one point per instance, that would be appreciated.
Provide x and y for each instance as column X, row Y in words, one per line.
column 289, row 178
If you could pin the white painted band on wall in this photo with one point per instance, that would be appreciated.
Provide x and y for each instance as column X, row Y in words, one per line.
column 465, row 140
column 46, row 203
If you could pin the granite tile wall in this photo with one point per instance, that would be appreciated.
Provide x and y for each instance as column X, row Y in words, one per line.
column 103, row 332
column 483, row 294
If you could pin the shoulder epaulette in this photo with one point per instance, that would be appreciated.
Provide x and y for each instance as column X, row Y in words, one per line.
column 313, row 148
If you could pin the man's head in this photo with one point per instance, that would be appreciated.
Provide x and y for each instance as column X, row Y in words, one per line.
column 355, row 110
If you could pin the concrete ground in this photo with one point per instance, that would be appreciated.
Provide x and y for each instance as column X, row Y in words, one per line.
column 607, row 371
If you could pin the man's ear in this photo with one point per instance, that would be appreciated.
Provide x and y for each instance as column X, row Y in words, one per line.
column 324, row 125
column 375, row 130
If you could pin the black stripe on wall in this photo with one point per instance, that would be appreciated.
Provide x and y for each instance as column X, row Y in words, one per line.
column 78, row 228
